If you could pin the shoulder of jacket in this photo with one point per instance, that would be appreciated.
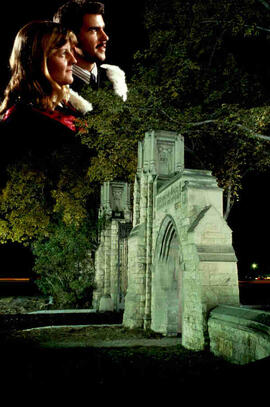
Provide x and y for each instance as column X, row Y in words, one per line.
column 113, row 68
column 79, row 103
column 118, row 79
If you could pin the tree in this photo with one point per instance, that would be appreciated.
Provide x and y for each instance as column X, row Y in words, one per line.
column 64, row 262
column 193, row 77
column 50, row 206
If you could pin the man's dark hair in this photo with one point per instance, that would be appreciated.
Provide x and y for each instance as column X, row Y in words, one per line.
column 70, row 14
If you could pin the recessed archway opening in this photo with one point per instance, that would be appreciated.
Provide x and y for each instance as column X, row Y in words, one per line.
column 167, row 281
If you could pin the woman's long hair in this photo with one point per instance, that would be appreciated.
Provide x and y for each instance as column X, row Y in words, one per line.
column 30, row 80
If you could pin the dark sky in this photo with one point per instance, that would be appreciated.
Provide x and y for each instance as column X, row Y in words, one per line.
column 16, row 14
column 123, row 24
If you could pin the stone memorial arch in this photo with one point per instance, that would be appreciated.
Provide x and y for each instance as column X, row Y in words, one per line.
column 173, row 269
column 181, row 262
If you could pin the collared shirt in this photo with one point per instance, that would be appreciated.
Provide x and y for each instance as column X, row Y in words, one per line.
column 85, row 75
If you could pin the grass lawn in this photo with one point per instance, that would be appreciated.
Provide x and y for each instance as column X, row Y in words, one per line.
column 137, row 370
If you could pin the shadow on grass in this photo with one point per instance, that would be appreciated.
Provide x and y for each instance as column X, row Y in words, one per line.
column 138, row 371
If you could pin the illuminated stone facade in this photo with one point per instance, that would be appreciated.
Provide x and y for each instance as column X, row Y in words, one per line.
column 178, row 262
column 181, row 262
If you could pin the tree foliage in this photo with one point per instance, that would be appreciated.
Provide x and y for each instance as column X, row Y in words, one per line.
column 32, row 196
column 50, row 205
column 194, row 76
column 64, row 262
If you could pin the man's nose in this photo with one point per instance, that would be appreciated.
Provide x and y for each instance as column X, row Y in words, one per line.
column 104, row 36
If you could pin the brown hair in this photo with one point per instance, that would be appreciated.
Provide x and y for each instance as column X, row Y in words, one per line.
column 30, row 80
column 71, row 13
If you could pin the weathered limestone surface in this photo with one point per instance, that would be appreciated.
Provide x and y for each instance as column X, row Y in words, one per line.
column 135, row 298
column 112, row 255
column 176, row 271
column 161, row 154
column 240, row 335
column 181, row 260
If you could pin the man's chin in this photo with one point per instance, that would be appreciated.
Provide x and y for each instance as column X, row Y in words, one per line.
column 99, row 58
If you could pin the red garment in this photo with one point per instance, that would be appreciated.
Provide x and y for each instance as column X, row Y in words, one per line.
column 66, row 119
column 8, row 112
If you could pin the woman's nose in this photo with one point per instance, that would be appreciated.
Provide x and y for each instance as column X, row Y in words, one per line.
column 72, row 58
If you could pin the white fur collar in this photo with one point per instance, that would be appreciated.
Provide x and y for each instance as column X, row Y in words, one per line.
column 118, row 79
column 77, row 101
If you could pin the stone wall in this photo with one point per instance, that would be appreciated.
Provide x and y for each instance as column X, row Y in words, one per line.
column 240, row 335
column 207, row 271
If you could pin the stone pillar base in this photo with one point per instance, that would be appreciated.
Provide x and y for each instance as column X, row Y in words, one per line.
column 106, row 303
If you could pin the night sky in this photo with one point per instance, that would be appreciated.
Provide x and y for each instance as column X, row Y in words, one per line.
column 123, row 25
column 249, row 219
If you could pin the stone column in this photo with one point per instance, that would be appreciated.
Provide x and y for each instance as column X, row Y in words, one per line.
column 114, row 258
column 106, row 303
column 99, row 273
column 115, row 207
column 136, row 202
column 148, row 267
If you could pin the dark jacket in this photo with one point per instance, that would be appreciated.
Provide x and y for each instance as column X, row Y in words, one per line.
column 78, row 84
column 44, row 141
column 110, row 77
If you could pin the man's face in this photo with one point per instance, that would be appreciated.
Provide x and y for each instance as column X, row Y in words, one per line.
column 92, row 38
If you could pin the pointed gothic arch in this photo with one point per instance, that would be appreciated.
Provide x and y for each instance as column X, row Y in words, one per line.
column 167, row 280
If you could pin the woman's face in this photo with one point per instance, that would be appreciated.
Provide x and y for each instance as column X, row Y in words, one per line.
column 60, row 64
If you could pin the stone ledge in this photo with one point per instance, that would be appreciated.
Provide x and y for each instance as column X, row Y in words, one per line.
column 240, row 335
column 242, row 316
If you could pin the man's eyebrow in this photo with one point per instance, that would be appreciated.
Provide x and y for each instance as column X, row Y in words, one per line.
column 93, row 27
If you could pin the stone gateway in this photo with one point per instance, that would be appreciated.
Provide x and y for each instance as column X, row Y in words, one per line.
column 170, row 266
column 178, row 261
column 181, row 262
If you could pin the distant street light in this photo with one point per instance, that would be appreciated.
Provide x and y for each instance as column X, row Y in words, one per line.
column 254, row 266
